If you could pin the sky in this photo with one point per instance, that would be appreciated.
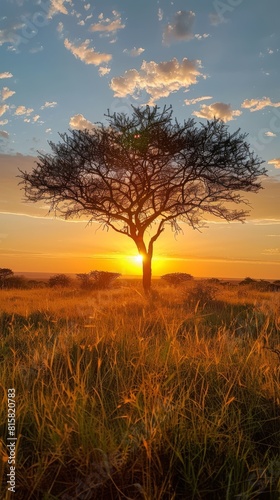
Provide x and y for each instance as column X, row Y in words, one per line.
column 64, row 63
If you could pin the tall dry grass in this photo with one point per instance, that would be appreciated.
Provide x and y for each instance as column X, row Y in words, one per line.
column 118, row 397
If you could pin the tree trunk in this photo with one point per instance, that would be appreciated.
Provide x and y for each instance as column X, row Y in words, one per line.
column 147, row 272
column 147, row 263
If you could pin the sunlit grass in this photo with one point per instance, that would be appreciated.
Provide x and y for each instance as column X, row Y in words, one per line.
column 120, row 397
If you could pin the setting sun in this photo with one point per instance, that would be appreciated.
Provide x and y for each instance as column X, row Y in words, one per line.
column 138, row 259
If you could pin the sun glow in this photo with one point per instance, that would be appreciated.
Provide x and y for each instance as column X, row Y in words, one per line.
column 138, row 259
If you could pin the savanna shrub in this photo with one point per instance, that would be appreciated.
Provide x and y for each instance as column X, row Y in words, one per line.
column 19, row 282
column 59, row 280
column 202, row 294
column 97, row 280
column 5, row 274
column 176, row 279
column 248, row 281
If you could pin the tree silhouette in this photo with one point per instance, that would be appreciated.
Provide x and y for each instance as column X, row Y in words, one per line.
column 138, row 173
column 5, row 274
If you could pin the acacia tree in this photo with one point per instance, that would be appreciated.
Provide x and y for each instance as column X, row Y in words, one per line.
column 5, row 274
column 138, row 173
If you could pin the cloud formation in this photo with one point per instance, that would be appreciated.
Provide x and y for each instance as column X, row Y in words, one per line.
column 257, row 104
column 6, row 74
column 49, row 105
column 217, row 110
column 157, row 79
column 58, row 7
column 86, row 54
column 60, row 28
column 275, row 162
column 160, row 14
column 79, row 122
column 188, row 102
column 22, row 110
column 108, row 25
column 9, row 35
column 6, row 93
column 4, row 134
column 103, row 71
column 134, row 52
column 181, row 28
column 271, row 251
column 3, row 109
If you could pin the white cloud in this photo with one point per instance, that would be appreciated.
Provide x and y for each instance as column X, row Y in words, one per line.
column 86, row 54
column 160, row 14
column 275, row 162
column 157, row 79
column 198, row 99
column 4, row 122
column 36, row 118
column 201, row 37
column 26, row 120
column 270, row 134
column 257, row 104
column 6, row 93
column 58, row 7
column 79, row 122
column 48, row 130
column 81, row 23
column 109, row 25
column 35, row 50
column 9, row 35
column 60, row 27
column 181, row 28
column 87, row 6
column 3, row 109
column 134, row 52
column 22, row 110
column 6, row 74
column 49, row 104
column 4, row 134
column 103, row 71
column 217, row 110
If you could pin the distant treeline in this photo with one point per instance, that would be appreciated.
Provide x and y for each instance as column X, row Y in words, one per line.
column 98, row 280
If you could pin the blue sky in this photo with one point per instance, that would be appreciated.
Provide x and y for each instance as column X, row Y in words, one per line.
column 70, row 58
column 65, row 62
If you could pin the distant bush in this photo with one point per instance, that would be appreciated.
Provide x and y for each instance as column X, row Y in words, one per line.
column 262, row 285
column 202, row 294
column 248, row 281
column 59, row 280
column 30, row 284
column 97, row 280
column 19, row 282
column 176, row 279
column 5, row 274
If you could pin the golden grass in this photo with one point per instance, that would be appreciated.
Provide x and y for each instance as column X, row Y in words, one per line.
column 120, row 397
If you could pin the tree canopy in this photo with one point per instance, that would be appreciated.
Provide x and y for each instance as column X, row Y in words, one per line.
column 136, row 174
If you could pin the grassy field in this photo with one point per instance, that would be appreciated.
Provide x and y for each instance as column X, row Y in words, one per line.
column 118, row 397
